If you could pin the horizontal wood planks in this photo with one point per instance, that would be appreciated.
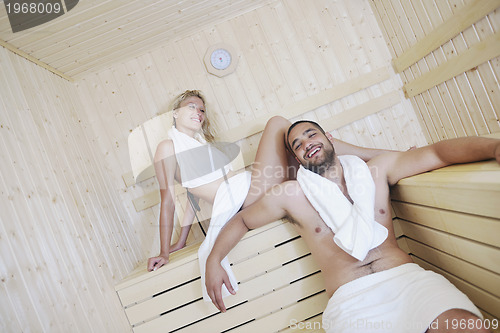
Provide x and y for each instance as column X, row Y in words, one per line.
column 279, row 282
column 447, row 53
column 449, row 221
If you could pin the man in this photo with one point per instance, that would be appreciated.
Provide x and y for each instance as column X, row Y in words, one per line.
column 369, row 277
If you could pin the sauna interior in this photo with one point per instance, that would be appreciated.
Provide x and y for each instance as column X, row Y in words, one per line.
column 79, row 220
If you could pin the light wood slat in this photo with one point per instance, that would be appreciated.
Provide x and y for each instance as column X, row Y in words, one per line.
column 251, row 289
column 492, row 320
column 62, row 27
column 461, row 19
column 475, row 98
column 289, row 316
column 479, row 297
column 478, row 202
column 473, row 274
column 168, row 301
column 181, row 257
column 361, row 111
column 311, row 325
column 477, row 54
column 482, row 255
column 70, row 282
column 468, row 192
column 310, row 103
column 158, row 283
column 148, row 36
column 487, row 180
column 34, row 60
column 398, row 231
column 478, row 228
column 184, row 266
column 271, row 259
column 403, row 244
column 261, row 306
column 177, row 259
column 139, row 22
column 84, row 33
column 146, row 201
column 200, row 309
column 128, row 178
column 262, row 242
column 41, row 189
column 490, row 165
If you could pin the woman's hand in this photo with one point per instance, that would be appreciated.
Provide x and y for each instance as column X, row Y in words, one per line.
column 156, row 262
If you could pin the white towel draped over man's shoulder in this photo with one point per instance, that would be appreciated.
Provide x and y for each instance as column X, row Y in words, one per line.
column 356, row 231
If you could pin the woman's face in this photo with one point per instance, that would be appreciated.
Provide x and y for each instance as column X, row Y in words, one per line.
column 191, row 114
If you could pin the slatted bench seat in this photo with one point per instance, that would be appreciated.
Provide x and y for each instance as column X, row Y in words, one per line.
column 279, row 284
column 448, row 220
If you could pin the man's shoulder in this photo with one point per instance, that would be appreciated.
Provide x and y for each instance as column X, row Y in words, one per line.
column 289, row 190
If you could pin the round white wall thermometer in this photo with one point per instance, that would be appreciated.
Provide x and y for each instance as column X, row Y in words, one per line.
column 221, row 59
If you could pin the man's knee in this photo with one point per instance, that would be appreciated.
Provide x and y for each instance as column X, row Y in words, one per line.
column 457, row 320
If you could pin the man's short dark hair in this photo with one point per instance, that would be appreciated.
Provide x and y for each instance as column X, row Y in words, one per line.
column 315, row 124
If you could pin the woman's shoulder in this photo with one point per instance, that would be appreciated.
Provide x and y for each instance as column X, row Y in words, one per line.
column 164, row 149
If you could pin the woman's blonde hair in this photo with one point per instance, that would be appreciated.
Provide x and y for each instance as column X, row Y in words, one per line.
column 206, row 128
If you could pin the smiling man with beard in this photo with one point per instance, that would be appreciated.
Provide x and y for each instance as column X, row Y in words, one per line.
column 312, row 159
column 341, row 208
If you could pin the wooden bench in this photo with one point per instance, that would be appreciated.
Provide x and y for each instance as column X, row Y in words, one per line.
column 448, row 220
column 279, row 282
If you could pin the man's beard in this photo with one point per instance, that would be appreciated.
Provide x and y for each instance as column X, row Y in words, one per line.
column 322, row 166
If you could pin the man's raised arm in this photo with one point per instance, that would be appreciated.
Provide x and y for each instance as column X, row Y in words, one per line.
column 437, row 155
column 268, row 209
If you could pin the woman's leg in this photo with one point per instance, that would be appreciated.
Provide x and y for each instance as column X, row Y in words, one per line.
column 273, row 163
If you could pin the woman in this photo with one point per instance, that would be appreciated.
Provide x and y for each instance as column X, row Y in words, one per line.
column 272, row 165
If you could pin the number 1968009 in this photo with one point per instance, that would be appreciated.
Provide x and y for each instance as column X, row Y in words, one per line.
column 33, row 8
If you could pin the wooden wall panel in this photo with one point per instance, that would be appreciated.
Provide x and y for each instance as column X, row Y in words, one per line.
column 289, row 51
column 63, row 239
column 458, row 241
column 466, row 104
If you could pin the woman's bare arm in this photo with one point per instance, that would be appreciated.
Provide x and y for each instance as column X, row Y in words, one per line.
column 186, row 224
column 165, row 166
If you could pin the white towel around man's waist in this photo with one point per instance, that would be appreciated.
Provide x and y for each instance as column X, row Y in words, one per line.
column 354, row 225
column 228, row 201
column 405, row 299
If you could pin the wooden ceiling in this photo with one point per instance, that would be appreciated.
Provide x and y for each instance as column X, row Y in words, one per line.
column 97, row 33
